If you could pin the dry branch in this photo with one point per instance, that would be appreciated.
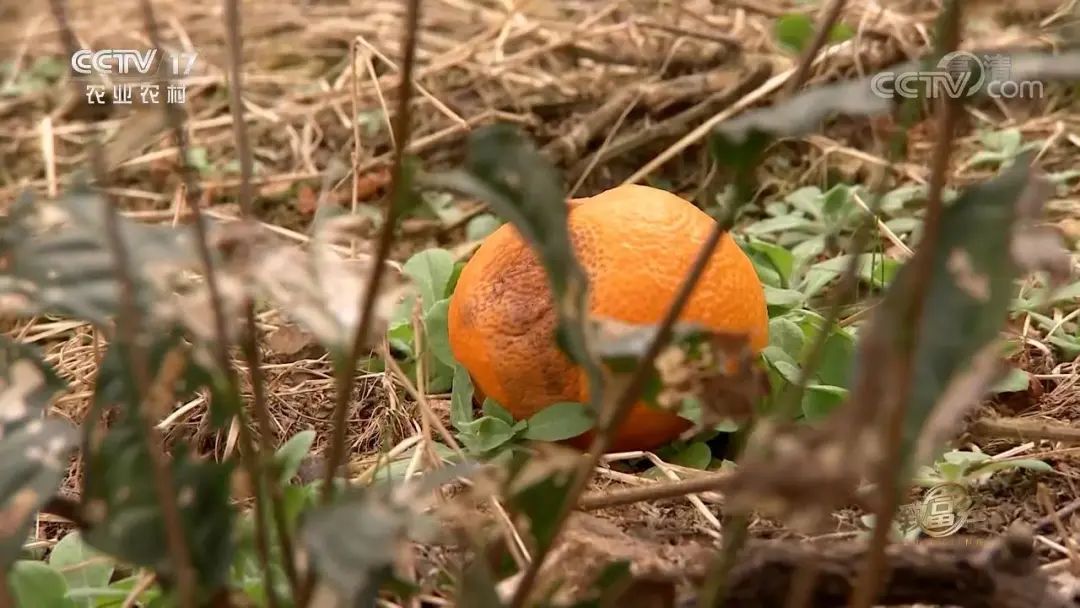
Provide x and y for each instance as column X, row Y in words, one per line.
column 952, row 574
column 1025, row 429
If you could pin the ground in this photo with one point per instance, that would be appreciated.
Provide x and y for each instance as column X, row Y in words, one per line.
column 608, row 90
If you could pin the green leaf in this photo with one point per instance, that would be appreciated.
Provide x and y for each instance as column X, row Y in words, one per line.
column 431, row 270
column 697, row 455
column 485, row 434
column 838, row 353
column 781, row 259
column 1030, row 464
column 493, row 408
column 807, row 199
column 783, row 298
column 820, row 400
column 786, row 335
column 291, row 455
column 442, row 206
column 34, row 450
column 1015, row 381
column 835, row 204
column 784, row 223
column 81, row 566
column 481, row 226
column 436, row 322
column 37, row 585
column 794, row 31
column 559, row 421
column 841, row 32
column 461, row 398
column 964, row 458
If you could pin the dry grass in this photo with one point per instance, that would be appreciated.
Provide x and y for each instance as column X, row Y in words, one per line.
column 610, row 89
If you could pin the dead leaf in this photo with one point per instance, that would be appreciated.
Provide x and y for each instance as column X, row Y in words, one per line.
column 306, row 200
column 288, row 340
column 370, row 184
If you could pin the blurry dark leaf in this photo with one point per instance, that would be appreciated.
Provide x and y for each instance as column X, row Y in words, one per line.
column 559, row 421
column 537, row 486
column 803, row 113
column 81, row 566
column 28, row 384
column 967, row 299
column 37, row 585
column 477, row 587
column 620, row 345
column 320, row 288
column 353, row 542
column 505, row 171
column 609, row 585
column 34, row 449
column 59, row 260
column 119, row 493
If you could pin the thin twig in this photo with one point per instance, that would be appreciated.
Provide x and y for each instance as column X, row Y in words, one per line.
column 6, row 601
column 264, row 481
column 655, row 491
column 129, row 329
column 870, row 578
column 821, row 35
column 736, row 528
column 1025, row 429
column 615, row 409
column 346, row 369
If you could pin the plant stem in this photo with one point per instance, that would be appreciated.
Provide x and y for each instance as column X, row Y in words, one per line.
column 616, row 409
column 129, row 334
column 346, row 369
column 821, row 35
column 736, row 529
column 870, row 577
column 265, row 482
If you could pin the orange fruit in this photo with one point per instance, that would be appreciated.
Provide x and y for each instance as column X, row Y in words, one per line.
column 635, row 243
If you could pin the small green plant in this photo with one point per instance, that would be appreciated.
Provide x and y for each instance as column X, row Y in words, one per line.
column 972, row 469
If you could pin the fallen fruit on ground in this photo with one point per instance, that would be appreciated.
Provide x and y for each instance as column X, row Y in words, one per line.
column 636, row 243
